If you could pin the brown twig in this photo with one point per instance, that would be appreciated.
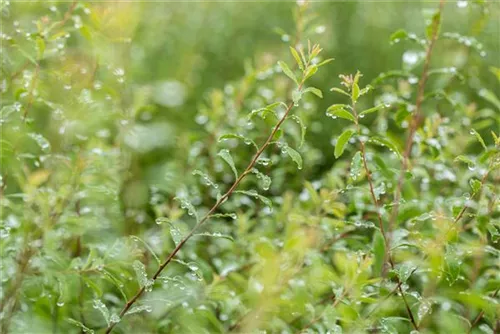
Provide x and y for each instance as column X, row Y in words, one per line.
column 416, row 119
column 217, row 204
column 387, row 255
column 480, row 315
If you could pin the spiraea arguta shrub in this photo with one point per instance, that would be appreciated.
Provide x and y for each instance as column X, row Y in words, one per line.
column 208, row 203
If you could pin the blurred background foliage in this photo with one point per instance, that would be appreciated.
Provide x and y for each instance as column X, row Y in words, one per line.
column 108, row 107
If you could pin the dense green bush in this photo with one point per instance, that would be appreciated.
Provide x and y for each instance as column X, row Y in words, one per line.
column 186, row 168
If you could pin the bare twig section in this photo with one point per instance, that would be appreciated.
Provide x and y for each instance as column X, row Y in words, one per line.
column 388, row 257
column 481, row 314
column 214, row 208
column 416, row 118
column 66, row 16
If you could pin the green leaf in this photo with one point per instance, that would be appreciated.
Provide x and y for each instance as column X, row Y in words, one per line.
column 475, row 184
column 176, row 234
column 466, row 160
column 246, row 140
column 256, row 195
column 206, row 179
column 226, row 156
column 326, row 61
column 287, row 71
column 355, row 92
column 311, row 70
column 337, row 110
column 341, row 91
column 398, row 35
column 303, row 128
column 387, row 143
column 356, row 165
column 77, row 323
column 295, row 55
column 295, row 156
column 496, row 72
column 434, row 26
column 404, row 271
column 214, row 235
column 479, row 138
column 102, row 308
column 40, row 47
column 296, row 96
column 142, row 276
column 315, row 91
column 490, row 97
column 342, row 141
column 265, row 180
column 186, row 204
column 378, row 246
column 369, row 111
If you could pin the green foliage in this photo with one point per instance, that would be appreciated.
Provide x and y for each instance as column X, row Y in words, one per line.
column 169, row 168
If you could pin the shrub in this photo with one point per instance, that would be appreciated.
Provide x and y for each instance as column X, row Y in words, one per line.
column 122, row 211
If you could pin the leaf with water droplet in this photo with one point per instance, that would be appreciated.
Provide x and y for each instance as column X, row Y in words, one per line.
column 471, row 164
column 84, row 328
column 231, row 215
column 226, row 156
column 140, row 308
column 214, row 235
column 314, row 90
column 356, row 165
column 341, row 91
column 176, row 234
column 142, row 276
column 369, row 111
column 101, row 307
column 387, row 143
column 287, row 71
column 404, row 272
column 379, row 190
column 302, row 128
column 246, row 140
column 294, row 155
column 423, row 309
column 207, row 181
column 137, row 239
column 193, row 266
column 398, row 35
column 255, row 194
column 338, row 110
column 342, row 141
column 161, row 220
column 479, row 138
column 264, row 179
column 41, row 141
column 186, row 204
column 296, row 97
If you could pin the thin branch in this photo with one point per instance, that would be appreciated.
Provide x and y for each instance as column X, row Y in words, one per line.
column 387, row 255
column 217, row 204
column 480, row 315
column 416, row 118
